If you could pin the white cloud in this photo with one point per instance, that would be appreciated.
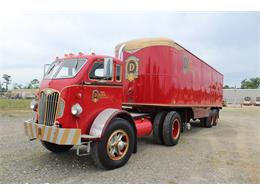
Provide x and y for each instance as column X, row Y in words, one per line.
column 229, row 42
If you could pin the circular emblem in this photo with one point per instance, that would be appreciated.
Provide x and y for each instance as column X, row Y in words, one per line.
column 95, row 95
column 132, row 68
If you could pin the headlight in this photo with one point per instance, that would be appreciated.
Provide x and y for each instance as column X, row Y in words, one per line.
column 76, row 109
column 33, row 105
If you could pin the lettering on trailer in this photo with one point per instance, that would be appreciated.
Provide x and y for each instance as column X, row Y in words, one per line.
column 132, row 68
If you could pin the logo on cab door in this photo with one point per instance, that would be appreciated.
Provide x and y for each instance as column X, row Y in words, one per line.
column 132, row 68
column 96, row 95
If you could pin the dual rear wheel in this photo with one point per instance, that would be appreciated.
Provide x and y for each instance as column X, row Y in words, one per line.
column 167, row 128
column 211, row 120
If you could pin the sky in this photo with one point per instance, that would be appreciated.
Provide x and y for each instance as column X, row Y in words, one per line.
column 228, row 41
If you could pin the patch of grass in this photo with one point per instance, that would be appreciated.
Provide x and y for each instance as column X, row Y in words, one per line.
column 172, row 181
column 12, row 105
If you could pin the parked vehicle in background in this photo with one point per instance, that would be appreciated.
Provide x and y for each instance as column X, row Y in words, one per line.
column 257, row 101
column 105, row 103
column 247, row 101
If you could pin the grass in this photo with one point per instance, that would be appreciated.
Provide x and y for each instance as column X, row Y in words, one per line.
column 12, row 105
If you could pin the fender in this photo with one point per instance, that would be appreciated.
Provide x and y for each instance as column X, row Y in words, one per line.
column 103, row 119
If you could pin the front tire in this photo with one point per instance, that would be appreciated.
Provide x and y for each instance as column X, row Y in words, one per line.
column 172, row 127
column 55, row 148
column 116, row 146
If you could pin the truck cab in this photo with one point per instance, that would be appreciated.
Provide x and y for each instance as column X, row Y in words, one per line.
column 79, row 98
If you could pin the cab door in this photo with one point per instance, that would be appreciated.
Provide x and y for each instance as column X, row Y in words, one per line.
column 103, row 87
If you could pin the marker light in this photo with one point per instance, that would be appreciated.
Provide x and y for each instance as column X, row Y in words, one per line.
column 34, row 105
column 79, row 95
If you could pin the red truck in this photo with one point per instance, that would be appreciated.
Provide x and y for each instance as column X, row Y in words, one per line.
column 152, row 86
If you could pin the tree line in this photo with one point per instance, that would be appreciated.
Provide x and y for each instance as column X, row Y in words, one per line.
column 252, row 83
column 4, row 85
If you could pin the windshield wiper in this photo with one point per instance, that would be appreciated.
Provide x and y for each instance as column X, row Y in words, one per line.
column 50, row 69
column 77, row 64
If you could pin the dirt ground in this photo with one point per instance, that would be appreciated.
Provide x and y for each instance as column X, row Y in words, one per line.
column 228, row 153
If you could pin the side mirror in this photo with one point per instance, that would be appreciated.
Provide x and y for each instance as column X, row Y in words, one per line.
column 108, row 65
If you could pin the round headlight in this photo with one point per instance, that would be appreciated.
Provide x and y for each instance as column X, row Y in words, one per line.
column 33, row 105
column 76, row 109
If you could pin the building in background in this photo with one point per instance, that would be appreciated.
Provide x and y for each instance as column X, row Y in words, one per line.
column 21, row 93
column 237, row 96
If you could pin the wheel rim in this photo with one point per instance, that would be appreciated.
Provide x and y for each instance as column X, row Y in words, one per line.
column 175, row 129
column 117, row 144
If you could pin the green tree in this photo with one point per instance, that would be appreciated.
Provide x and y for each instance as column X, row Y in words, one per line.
column 17, row 86
column 228, row 87
column 35, row 83
column 7, row 81
column 252, row 83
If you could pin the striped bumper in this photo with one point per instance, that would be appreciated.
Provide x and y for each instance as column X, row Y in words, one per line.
column 53, row 134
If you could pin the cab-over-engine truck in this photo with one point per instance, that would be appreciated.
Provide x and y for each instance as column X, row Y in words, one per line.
column 105, row 103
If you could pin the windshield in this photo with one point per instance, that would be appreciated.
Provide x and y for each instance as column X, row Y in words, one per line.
column 258, row 99
column 64, row 68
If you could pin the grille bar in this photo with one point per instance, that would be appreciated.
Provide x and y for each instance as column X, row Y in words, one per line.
column 47, row 108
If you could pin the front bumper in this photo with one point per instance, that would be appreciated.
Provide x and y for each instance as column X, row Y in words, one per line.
column 52, row 134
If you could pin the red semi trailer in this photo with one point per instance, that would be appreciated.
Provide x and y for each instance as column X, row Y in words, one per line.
column 105, row 103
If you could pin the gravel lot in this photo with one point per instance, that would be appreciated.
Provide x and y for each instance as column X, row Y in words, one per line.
column 228, row 153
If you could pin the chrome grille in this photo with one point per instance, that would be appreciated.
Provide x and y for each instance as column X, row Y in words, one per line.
column 47, row 108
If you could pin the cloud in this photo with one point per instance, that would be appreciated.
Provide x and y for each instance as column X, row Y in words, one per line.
column 228, row 41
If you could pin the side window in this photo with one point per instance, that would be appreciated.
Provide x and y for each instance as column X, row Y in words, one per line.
column 98, row 72
column 118, row 72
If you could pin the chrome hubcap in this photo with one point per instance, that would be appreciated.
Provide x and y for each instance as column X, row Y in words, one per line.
column 117, row 144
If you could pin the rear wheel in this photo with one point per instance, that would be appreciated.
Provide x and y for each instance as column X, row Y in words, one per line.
column 116, row 146
column 172, row 126
column 208, row 121
column 158, row 126
column 215, row 117
column 56, row 148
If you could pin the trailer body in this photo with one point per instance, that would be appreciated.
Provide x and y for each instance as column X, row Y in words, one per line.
column 168, row 75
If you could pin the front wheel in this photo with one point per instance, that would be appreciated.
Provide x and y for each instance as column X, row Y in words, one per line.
column 55, row 147
column 116, row 146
